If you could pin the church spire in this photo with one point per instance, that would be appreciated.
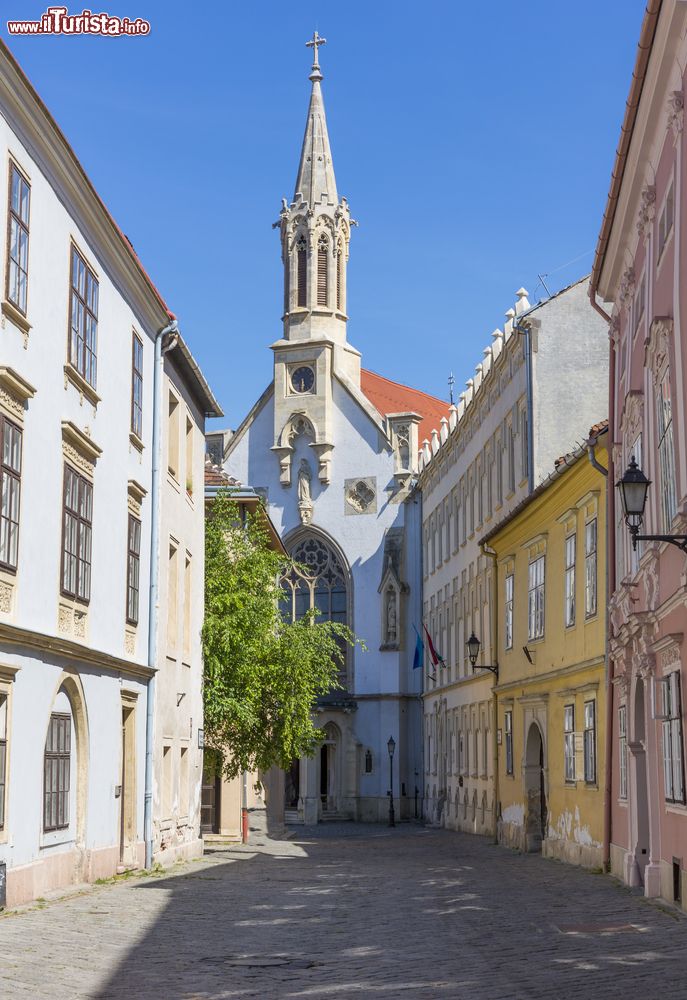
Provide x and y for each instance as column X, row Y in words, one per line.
column 315, row 233
column 316, row 182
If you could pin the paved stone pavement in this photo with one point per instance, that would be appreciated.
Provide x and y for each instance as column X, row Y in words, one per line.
column 351, row 911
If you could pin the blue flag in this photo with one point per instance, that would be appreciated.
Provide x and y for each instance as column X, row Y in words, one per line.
column 419, row 657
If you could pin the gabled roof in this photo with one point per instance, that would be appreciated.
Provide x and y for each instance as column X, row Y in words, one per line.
column 392, row 397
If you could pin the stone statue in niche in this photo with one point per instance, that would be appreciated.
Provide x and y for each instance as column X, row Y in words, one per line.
column 391, row 617
column 304, row 492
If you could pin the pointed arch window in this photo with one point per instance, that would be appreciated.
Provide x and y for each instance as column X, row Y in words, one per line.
column 322, row 270
column 339, row 276
column 320, row 584
column 302, row 270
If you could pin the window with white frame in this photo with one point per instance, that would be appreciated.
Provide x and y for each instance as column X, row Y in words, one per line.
column 666, row 452
column 508, row 726
column 569, row 742
column 536, row 599
column 508, row 623
column 590, row 742
column 665, row 219
column 639, row 303
column 622, row 752
column 18, row 239
column 673, row 759
column 570, row 547
column 56, row 776
column 590, row 573
column 10, row 484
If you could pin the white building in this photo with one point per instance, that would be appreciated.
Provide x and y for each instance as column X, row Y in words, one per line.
column 542, row 383
column 79, row 329
column 334, row 449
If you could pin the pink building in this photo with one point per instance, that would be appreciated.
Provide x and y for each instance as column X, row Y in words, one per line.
column 639, row 280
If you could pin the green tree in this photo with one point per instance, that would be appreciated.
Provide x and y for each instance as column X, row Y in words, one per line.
column 263, row 674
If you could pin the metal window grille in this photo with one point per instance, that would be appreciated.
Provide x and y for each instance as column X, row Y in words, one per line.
column 18, row 240
column 56, row 774
column 83, row 318
column 10, row 483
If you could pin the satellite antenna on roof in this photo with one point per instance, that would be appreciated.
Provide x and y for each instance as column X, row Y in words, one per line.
column 541, row 280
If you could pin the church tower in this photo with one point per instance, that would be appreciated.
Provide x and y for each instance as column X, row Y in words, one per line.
column 315, row 233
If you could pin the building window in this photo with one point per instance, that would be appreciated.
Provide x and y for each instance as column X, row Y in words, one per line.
column 638, row 304
column 189, row 457
column 508, row 624
column 137, row 386
column 570, row 546
column 569, row 742
column 665, row 220
column 368, row 762
column 673, row 763
column 622, row 752
column 508, row 726
column 76, row 535
column 183, row 781
column 590, row 540
column 3, row 757
column 10, row 480
column 302, row 270
column 83, row 318
column 511, row 459
column 322, row 270
column 173, row 432
column 56, row 773
column 172, row 596
column 524, row 444
column 166, row 796
column 18, row 239
column 536, row 598
column 339, row 275
column 133, row 569
column 590, row 742
column 187, row 608
column 666, row 453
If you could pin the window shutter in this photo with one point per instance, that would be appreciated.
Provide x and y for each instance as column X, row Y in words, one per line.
column 302, row 261
column 322, row 254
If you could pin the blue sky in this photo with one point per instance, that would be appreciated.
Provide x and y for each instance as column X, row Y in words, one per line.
column 473, row 141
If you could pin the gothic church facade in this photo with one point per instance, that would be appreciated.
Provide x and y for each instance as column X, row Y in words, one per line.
column 334, row 449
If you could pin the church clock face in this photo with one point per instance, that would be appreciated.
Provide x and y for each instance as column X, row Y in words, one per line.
column 302, row 379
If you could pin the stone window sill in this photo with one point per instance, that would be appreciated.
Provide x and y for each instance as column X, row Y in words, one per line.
column 83, row 387
column 15, row 316
column 136, row 441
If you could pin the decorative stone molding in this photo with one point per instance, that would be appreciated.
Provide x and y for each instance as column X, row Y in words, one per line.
column 72, row 619
column 651, row 565
column 78, row 449
column 15, row 392
column 645, row 665
column 675, row 113
column 622, row 605
column 134, row 499
column 15, row 316
column 360, row 495
column 305, row 506
column 632, row 419
column 6, row 597
column 627, row 287
column 614, row 329
column 657, row 353
column 82, row 386
column 392, row 589
column 647, row 211
column 130, row 641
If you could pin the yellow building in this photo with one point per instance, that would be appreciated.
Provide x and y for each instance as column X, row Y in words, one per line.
column 550, row 695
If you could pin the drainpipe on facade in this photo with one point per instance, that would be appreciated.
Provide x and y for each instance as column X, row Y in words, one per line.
column 610, row 587
column 488, row 551
column 154, row 593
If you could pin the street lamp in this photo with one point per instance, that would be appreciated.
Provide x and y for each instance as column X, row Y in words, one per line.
column 391, row 746
column 634, row 489
column 473, row 645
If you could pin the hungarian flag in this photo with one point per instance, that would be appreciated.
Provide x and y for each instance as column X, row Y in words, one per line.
column 419, row 656
column 436, row 657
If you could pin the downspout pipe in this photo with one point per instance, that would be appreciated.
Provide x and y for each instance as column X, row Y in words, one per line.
column 610, row 587
column 154, row 591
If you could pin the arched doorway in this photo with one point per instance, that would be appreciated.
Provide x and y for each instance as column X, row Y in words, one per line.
column 535, row 790
column 65, row 769
column 641, row 846
column 329, row 770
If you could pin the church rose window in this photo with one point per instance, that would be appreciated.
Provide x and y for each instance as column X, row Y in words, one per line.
column 320, row 583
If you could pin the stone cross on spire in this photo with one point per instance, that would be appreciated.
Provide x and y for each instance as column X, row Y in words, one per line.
column 312, row 44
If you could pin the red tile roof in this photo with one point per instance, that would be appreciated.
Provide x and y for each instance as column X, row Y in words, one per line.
column 214, row 476
column 391, row 397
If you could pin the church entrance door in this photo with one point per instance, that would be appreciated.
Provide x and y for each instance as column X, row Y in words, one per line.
column 329, row 791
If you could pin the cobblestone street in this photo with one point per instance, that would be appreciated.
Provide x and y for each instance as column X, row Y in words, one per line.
column 346, row 912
